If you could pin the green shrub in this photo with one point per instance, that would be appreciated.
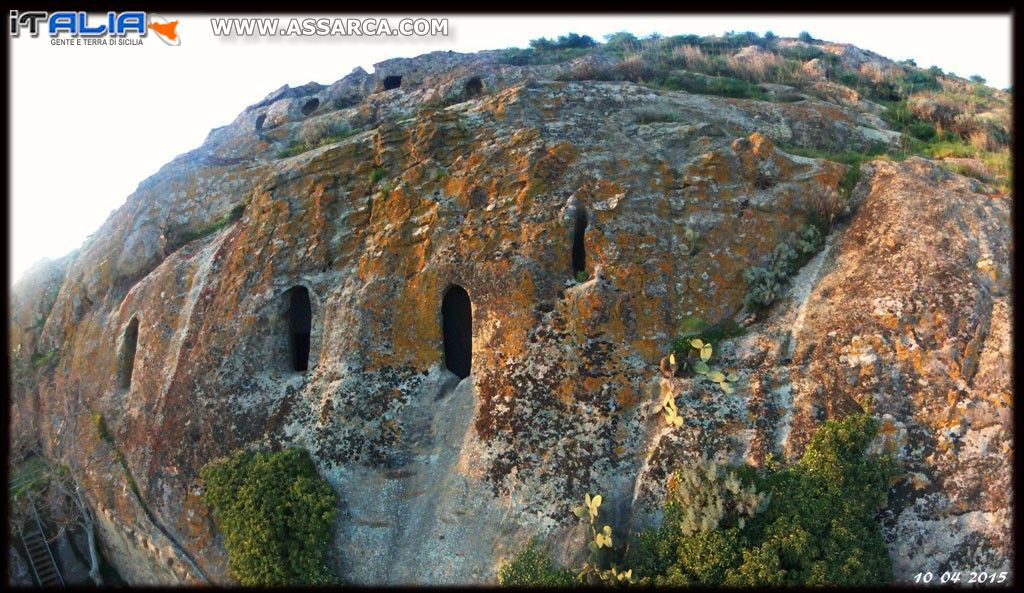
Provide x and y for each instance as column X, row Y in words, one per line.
column 100, row 424
column 764, row 283
column 321, row 131
column 29, row 475
column 570, row 41
column 966, row 171
column 982, row 91
column 850, row 180
column 294, row 147
column 804, row 53
column 526, row 57
column 227, row 218
column 621, row 42
column 40, row 360
column 916, row 80
column 821, row 525
column 848, row 78
column 649, row 115
column 700, row 559
column 922, row 130
column 276, row 513
column 724, row 86
column 818, row 527
column 315, row 136
column 900, row 118
column 762, row 287
column 809, row 241
column 533, row 567
column 377, row 174
column 694, row 327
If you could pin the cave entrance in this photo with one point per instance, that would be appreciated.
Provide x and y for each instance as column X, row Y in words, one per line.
column 126, row 357
column 579, row 249
column 474, row 87
column 457, row 325
column 392, row 82
column 259, row 122
column 300, row 322
column 310, row 106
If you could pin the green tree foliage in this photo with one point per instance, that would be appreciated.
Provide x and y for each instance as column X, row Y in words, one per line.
column 276, row 513
column 818, row 527
column 811, row 523
column 570, row 41
column 706, row 508
column 621, row 40
column 533, row 567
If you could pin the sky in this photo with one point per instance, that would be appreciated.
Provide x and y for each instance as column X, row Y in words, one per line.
column 89, row 123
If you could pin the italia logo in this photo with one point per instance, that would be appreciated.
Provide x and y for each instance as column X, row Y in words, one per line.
column 80, row 24
column 166, row 31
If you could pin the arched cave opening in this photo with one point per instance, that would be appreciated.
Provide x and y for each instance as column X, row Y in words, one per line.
column 579, row 249
column 259, row 122
column 392, row 82
column 474, row 87
column 300, row 323
column 310, row 106
column 457, row 326
column 126, row 357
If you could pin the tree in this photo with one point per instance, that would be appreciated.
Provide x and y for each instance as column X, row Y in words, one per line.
column 572, row 40
column 818, row 525
column 276, row 513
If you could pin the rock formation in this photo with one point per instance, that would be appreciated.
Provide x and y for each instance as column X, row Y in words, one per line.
column 475, row 173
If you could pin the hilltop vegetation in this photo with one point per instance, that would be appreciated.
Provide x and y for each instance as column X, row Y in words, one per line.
column 640, row 284
column 963, row 123
column 810, row 523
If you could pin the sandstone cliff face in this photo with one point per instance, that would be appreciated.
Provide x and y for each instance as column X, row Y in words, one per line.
column 907, row 311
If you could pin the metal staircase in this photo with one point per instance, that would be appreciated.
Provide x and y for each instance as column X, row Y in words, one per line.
column 44, row 566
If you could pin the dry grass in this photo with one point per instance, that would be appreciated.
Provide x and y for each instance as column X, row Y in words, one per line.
column 935, row 108
column 872, row 71
column 691, row 57
column 635, row 67
column 982, row 140
column 313, row 130
column 759, row 67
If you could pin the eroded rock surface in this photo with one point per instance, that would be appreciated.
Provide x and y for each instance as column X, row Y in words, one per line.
column 906, row 311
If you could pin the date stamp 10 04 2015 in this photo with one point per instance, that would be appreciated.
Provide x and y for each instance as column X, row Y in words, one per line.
column 967, row 577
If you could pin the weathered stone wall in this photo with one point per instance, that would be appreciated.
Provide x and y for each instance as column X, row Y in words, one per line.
column 907, row 310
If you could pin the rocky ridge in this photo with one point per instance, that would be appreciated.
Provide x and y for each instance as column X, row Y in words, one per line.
column 475, row 172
